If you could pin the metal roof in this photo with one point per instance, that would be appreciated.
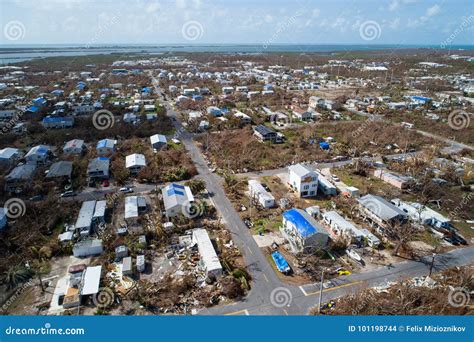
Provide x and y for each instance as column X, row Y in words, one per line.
column 91, row 280
column 380, row 207
column 60, row 169
column 84, row 219
column 176, row 194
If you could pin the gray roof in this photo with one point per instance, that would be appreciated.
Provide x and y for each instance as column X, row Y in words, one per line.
column 60, row 169
column 22, row 172
column 8, row 152
column 84, row 219
column 98, row 164
column 381, row 207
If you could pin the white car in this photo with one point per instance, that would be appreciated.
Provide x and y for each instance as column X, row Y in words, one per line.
column 68, row 193
column 335, row 178
column 126, row 190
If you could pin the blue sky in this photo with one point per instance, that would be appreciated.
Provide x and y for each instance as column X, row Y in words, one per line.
column 263, row 22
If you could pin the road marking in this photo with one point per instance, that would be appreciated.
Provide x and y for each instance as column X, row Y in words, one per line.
column 302, row 290
column 265, row 276
column 332, row 288
column 250, row 250
column 238, row 313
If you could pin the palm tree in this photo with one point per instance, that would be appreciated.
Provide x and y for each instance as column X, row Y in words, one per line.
column 17, row 275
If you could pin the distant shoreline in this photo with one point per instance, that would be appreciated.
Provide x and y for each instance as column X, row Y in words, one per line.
column 21, row 53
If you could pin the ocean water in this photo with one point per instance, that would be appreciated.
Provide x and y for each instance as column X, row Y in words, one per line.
column 19, row 53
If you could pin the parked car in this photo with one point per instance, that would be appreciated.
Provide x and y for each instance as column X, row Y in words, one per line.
column 105, row 183
column 126, row 190
column 69, row 193
column 36, row 198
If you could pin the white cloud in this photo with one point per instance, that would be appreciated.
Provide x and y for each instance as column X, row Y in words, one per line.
column 432, row 11
column 394, row 5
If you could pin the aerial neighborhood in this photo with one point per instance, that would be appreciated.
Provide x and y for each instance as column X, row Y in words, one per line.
column 159, row 177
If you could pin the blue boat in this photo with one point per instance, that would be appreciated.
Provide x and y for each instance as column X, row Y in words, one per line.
column 281, row 262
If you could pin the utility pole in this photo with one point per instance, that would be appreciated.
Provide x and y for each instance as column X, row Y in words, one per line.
column 320, row 292
column 432, row 263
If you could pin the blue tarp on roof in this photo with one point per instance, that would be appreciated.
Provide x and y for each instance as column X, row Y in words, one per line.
column 175, row 189
column 304, row 227
column 280, row 262
column 32, row 109
column 102, row 158
column 39, row 101
column 56, row 119
column 421, row 98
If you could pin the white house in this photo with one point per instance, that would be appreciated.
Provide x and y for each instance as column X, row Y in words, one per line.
column 134, row 206
column 422, row 214
column 301, row 114
column 244, row 118
column 9, row 155
column 341, row 227
column 325, row 186
column 38, row 155
column 158, row 141
column 302, row 231
column 86, row 248
column 258, row 192
column 135, row 163
column 75, row 146
column 209, row 260
column 106, row 146
column 177, row 199
column 303, row 180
